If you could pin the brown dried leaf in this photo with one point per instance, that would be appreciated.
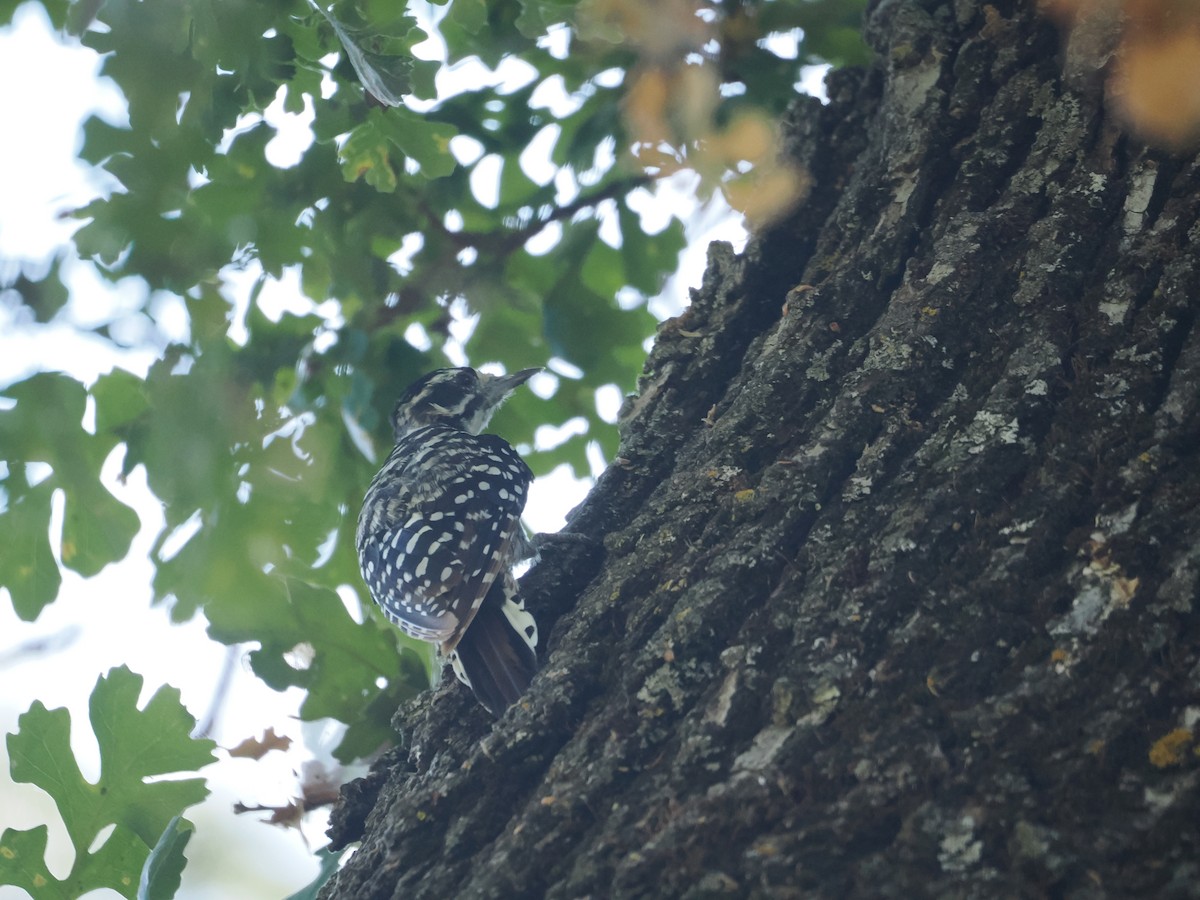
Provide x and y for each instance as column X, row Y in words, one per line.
column 257, row 748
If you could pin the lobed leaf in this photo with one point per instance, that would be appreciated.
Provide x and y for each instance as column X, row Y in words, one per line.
column 135, row 744
column 45, row 426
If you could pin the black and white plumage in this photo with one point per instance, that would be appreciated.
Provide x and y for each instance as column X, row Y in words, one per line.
column 440, row 531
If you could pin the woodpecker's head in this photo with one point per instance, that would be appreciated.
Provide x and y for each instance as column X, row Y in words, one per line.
column 458, row 398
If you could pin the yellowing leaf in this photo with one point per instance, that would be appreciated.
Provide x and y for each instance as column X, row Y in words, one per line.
column 1157, row 86
column 765, row 196
column 645, row 106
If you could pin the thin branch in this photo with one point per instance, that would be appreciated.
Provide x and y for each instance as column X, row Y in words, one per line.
column 220, row 693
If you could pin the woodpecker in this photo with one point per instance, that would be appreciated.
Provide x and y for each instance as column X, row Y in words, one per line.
column 440, row 531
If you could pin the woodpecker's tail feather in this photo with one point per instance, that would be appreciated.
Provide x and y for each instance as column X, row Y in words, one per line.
column 495, row 658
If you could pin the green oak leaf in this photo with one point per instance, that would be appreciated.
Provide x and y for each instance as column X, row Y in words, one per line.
column 45, row 426
column 377, row 58
column 135, row 744
column 28, row 568
column 309, row 640
column 163, row 869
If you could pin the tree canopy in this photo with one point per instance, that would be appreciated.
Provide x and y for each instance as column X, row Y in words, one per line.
column 514, row 203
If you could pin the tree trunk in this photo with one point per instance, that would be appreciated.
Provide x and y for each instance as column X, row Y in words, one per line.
column 903, row 547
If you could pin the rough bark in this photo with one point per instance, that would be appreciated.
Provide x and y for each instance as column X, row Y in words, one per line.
column 903, row 553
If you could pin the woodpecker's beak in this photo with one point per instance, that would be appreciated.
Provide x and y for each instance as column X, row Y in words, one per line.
column 503, row 384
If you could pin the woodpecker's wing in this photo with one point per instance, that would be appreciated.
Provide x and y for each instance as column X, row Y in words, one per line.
column 430, row 569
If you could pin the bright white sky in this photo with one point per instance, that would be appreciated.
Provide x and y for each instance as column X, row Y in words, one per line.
column 107, row 621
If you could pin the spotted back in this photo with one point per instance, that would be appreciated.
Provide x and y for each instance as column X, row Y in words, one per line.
column 438, row 526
